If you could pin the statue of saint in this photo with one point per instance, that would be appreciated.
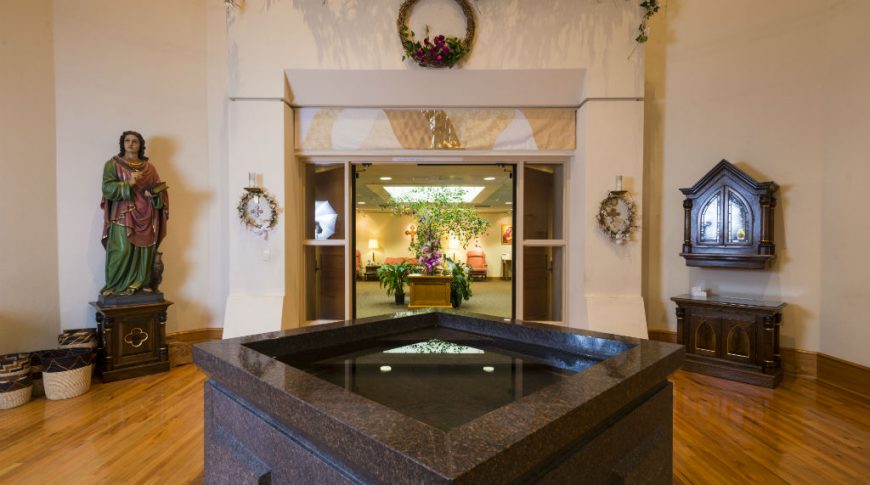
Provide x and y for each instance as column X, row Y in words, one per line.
column 135, row 210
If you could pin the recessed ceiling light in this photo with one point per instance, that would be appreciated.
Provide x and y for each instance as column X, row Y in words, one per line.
column 509, row 203
column 417, row 193
column 488, row 368
column 386, row 368
column 386, row 178
column 488, row 178
column 362, row 202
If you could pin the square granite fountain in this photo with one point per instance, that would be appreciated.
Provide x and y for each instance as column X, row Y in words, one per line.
column 438, row 397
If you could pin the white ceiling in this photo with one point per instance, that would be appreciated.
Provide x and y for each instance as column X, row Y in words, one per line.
column 496, row 193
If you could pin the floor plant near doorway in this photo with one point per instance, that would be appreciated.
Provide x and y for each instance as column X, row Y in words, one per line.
column 393, row 277
column 460, row 285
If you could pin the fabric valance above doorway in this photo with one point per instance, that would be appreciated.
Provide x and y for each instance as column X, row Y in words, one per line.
column 526, row 129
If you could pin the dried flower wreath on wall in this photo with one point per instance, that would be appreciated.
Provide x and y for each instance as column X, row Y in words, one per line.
column 616, row 216
column 258, row 211
column 439, row 50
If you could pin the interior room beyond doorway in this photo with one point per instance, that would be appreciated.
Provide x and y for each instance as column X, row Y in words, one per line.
column 384, row 239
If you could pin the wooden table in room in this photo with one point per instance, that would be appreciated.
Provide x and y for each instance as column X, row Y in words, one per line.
column 371, row 272
column 429, row 291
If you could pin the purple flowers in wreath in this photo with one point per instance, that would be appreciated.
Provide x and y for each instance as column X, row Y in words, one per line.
column 440, row 50
column 430, row 257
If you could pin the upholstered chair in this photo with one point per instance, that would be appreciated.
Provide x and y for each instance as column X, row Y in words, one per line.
column 476, row 259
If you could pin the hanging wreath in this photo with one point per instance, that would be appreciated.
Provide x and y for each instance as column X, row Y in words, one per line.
column 437, row 51
column 616, row 216
column 258, row 211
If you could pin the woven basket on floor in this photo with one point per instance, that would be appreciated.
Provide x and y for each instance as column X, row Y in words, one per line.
column 13, row 364
column 9, row 400
column 82, row 338
column 67, row 384
column 15, row 392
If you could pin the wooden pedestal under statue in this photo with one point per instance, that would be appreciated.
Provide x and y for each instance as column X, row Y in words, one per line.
column 131, row 338
column 429, row 291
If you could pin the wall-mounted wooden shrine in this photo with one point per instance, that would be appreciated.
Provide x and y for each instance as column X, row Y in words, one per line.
column 728, row 220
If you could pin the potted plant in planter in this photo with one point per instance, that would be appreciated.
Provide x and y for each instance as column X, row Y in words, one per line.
column 460, row 285
column 393, row 277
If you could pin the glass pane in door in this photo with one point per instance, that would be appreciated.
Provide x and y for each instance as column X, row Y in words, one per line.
column 709, row 220
column 324, row 202
column 542, row 202
column 325, row 282
column 543, row 269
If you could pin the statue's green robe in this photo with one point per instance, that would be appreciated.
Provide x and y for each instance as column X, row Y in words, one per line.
column 133, row 225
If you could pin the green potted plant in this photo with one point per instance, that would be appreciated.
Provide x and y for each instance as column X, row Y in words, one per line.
column 460, row 285
column 393, row 277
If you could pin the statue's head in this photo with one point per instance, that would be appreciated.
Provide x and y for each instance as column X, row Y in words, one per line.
column 122, row 150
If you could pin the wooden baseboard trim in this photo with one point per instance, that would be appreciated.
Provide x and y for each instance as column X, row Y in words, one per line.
column 799, row 362
column 181, row 343
column 663, row 336
column 844, row 374
column 841, row 373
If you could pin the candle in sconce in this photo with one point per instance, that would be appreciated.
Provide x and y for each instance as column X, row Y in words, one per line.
column 252, row 179
column 619, row 182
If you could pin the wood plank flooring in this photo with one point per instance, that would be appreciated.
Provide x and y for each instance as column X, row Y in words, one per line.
column 149, row 430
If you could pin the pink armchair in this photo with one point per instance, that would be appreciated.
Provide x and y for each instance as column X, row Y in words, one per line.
column 476, row 259
column 358, row 264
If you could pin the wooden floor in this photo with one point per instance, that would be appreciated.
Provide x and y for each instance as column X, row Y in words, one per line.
column 149, row 430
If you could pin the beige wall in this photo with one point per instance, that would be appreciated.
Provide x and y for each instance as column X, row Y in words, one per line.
column 266, row 36
column 28, row 215
column 123, row 65
column 389, row 230
column 778, row 88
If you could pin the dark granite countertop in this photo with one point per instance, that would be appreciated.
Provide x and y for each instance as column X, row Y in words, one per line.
column 334, row 420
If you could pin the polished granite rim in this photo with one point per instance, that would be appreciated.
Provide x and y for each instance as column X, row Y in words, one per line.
column 339, row 421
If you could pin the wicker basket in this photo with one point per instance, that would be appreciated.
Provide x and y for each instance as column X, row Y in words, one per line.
column 82, row 338
column 15, row 391
column 13, row 364
column 13, row 399
column 67, row 384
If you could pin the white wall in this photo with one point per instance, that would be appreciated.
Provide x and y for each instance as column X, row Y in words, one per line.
column 511, row 34
column 122, row 65
column 28, row 215
column 266, row 37
column 778, row 88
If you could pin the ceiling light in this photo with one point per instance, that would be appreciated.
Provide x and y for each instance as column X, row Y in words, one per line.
column 398, row 192
column 362, row 202
column 386, row 178
column 386, row 368
column 509, row 203
column 488, row 368
column 488, row 178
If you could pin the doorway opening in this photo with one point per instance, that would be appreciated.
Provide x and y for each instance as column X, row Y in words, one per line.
column 387, row 239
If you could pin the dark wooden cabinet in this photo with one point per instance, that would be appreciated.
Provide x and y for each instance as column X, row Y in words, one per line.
column 732, row 338
column 728, row 220
column 131, row 340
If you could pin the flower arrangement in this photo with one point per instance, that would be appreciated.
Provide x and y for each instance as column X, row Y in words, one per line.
column 616, row 216
column 440, row 51
column 437, row 51
column 430, row 257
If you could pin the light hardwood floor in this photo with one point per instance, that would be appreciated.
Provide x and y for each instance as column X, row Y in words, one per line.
column 149, row 430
